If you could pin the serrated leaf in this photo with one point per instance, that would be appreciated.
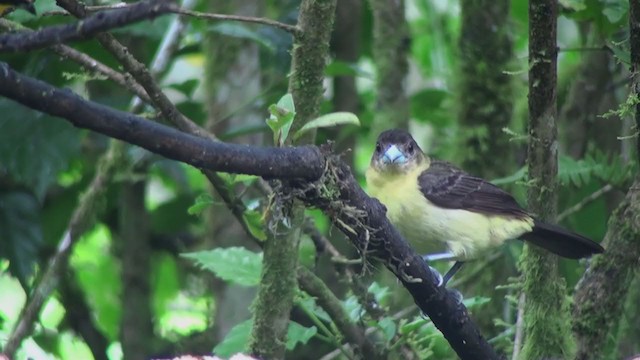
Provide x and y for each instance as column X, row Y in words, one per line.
column 333, row 119
column 236, row 265
column 298, row 334
column 202, row 202
column 236, row 340
column 21, row 233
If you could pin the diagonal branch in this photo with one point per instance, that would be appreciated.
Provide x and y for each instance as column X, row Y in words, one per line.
column 335, row 192
column 97, row 23
column 202, row 153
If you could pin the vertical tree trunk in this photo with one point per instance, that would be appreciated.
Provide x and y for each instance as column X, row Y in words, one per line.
column 600, row 295
column 136, row 328
column 486, row 102
column 278, row 280
column 390, row 45
column 546, row 323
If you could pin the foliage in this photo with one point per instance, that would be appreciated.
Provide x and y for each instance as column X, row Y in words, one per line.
column 46, row 163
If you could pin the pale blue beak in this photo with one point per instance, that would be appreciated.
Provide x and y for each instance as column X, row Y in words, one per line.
column 393, row 155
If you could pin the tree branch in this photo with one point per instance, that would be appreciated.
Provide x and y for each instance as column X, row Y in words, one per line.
column 299, row 162
column 97, row 23
column 360, row 217
column 87, row 62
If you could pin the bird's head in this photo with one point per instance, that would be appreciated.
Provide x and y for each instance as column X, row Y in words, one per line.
column 396, row 152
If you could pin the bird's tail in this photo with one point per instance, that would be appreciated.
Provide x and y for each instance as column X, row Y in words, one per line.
column 561, row 241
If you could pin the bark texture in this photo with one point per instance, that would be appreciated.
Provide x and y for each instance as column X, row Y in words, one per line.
column 278, row 283
column 546, row 323
column 599, row 298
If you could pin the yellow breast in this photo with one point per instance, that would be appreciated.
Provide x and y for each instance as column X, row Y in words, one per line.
column 428, row 227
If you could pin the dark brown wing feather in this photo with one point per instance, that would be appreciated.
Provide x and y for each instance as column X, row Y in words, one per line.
column 449, row 187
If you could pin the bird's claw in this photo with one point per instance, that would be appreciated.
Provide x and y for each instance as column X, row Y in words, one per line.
column 438, row 276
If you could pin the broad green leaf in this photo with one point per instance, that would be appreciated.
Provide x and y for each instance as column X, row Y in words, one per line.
column 203, row 201
column 98, row 274
column 388, row 327
column 20, row 233
column 353, row 308
column 282, row 115
column 333, row 119
column 34, row 147
column 255, row 224
column 297, row 333
column 186, row 87
column 237, row 340
column 381, row 293
column 235, row 264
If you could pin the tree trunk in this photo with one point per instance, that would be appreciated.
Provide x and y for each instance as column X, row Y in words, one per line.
column 546, row 323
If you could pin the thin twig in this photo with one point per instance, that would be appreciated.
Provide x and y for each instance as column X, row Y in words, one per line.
column 294, row 30
column 86, row 61
column 584, row 202
column 92, row 25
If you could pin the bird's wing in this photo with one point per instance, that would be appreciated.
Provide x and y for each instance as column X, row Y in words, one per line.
column 448, row 187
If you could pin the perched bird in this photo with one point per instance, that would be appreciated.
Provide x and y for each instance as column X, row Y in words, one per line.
column 7, row 6
column 431, row 201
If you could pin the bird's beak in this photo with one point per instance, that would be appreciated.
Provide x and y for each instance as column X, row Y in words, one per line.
column 393, row 155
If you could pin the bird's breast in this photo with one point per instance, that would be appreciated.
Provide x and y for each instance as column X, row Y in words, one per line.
column 428, row 227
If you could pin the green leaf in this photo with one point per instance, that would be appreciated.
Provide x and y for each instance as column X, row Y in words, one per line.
column 381, row 293
column 186, row 87
column 475, row 301
column 203, row 201
column 342, row 68
column 388, row 327
column 255, row 224
column 237, row 340
column 20, row 233
column 34, row 147
column 282, row 115
column 517, row 176
column 333, row 119
column 298, row 334
column 236, row 265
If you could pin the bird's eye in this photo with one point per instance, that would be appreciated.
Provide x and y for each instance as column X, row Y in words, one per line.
column 378, row 148
column 410, row 148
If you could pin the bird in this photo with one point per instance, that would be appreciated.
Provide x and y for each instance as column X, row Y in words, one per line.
column 434, row 202
column 7, row 6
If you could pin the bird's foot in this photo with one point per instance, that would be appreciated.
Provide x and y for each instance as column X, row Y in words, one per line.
column 446, row 256
column 438, row 276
